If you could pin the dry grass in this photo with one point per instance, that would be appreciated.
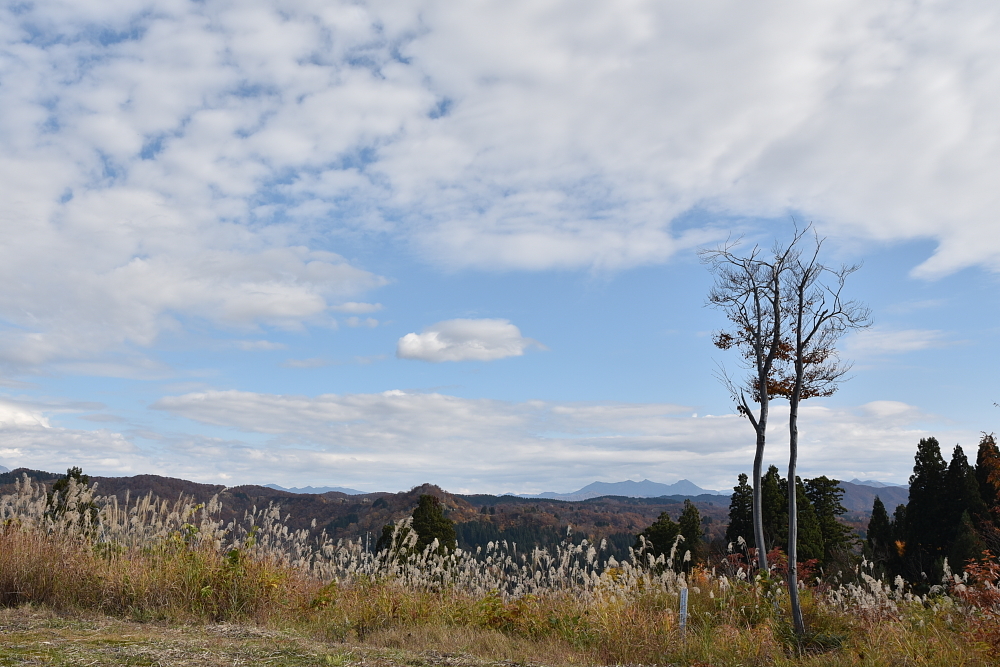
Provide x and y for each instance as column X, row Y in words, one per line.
column 178, row 571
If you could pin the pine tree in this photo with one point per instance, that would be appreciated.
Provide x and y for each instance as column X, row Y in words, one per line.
column 879, row 539
column 988, row 477
column 880, row 546
column 966, row 545
column 826, row 494
column 660, row 537
column 961, row 490
column 430, row 523
column 809, row 542
column 690, row 528
column 774, row 509
column 741, row 513
column 926, row 513
column 900, row 528
column 58, row 500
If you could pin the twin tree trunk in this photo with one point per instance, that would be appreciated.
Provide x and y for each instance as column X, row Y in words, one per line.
column 788, row 321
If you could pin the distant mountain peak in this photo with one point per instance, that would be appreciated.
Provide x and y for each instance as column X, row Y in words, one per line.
column 875, row 483
column 316, row 489
column 629, row 488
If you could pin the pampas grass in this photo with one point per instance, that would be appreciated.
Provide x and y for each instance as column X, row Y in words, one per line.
column 153, row 559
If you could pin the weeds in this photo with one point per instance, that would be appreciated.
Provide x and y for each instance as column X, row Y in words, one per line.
column 150, row 559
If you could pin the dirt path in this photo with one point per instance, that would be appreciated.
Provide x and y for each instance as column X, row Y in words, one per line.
column 34, row 637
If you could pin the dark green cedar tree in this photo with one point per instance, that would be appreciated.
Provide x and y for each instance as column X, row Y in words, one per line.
column 741, row 513
column 825, row 495
column 660, row 537
column 430, row 523
column 926, row 513
column 690, row 528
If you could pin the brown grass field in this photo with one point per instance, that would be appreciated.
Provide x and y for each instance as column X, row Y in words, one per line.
column 159, row 583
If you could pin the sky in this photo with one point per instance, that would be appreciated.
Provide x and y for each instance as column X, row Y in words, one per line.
column 313, row 242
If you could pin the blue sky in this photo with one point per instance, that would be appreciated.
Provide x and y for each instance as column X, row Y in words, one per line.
column 373, row 245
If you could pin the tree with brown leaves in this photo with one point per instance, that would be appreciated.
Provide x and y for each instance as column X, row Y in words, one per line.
column 749, row 290
column 818, row 316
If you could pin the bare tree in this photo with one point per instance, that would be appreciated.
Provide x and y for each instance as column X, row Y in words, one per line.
column 749, row 289
column 817, row 316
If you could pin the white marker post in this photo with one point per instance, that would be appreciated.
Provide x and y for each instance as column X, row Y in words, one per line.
column 684, row 611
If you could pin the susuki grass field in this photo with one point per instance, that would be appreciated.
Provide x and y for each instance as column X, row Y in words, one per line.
column 173, row 564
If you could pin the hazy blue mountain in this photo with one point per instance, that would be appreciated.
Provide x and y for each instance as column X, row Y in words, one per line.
column 628, row 488
column 317, row 489
column 861, row 497
column 875, row 483
column 2, row 469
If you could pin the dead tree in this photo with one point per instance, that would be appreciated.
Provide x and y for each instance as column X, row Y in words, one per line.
column 749, row 289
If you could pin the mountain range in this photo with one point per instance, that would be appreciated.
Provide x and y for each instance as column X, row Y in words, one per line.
column 317, row 489
column 629, row 489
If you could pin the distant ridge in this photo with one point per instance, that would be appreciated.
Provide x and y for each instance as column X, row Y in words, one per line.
column 861, row 497
column 317, row 489
column 3, row 469
column 875, row 483
column 629, row 489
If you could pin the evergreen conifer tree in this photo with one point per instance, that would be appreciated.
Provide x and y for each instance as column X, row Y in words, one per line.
column 690, row 528
column 774, row 509
column 430, row 523
column 926, row 513
column 809, row 542
column 879, row 533
column 961, row 490
column 988, row 477
column 900, row 533
column 660, row 536
column 741, row 513
column 878, row 542
column 826, row 494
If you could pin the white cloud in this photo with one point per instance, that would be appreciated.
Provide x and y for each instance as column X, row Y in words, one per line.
column 878, row 341
column 357, row 307
column 16, row 414
column 369, row 322
column 397, row 439
column 165, row 161
column 28, row 439
column 464, row 340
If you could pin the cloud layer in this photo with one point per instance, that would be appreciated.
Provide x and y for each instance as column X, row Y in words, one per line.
column 397, row 439
column 465, row 340
column 173, row 160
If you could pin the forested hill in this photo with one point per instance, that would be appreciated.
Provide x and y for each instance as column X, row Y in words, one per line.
column 478, row 518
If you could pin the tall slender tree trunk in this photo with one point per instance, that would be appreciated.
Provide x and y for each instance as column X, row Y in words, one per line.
column 793, row 516
column 758, row 514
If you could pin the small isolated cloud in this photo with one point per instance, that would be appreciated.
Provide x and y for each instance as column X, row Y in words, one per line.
column 883, row 341
column 102, row 418
column 255, row 345
column 465, row 340
column 313, row 362
column 370, row 322
column 357, row 308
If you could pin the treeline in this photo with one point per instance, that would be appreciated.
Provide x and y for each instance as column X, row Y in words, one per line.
column 821, row 536
column 953, row 513
column 474, row 534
